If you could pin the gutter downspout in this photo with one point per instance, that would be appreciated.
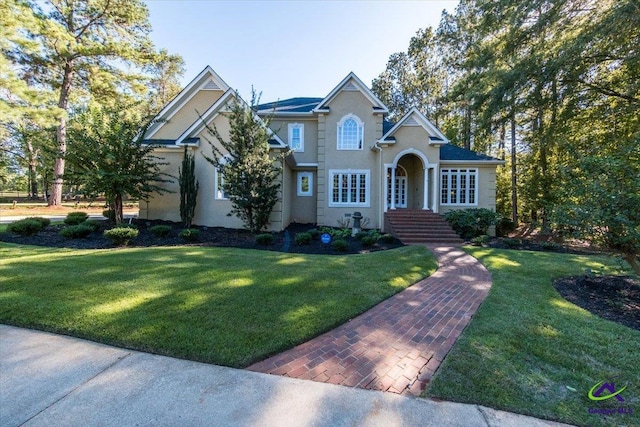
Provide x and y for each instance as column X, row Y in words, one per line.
column 383, row 175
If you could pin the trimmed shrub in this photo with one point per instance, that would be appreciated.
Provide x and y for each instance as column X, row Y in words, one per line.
column 387, row 238
column 109, row 214
column 360, row 235
column 25, row 227
column 550, row 246
column 315, row 233
column 75, row 218
column 94, row 224
column 469, row 223
column 79, row 231
column 44, row 221
column 512, row 243
column 160, row 230
column 303, row 238
column 190, row 234
column 264, row 239
column 375, row 234
column 340, row 245
column 505, row 226
column 480, row 240
column 120, row 236
column 368, row 241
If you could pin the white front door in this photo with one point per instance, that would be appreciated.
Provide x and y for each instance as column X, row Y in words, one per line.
column 401, row 191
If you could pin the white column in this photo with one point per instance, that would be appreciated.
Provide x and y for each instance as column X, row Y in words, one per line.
column 393, row 187
column 435, row 186
column 425, row 200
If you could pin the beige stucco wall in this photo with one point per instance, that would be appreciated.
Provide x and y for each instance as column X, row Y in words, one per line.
column 310, row 153
column 209, row 210
column 188, row 114
column 330, row 158
column 165, row 206
column 303, row 208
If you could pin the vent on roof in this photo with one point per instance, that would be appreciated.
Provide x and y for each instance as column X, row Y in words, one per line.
column 350, row 86
column 411, row 121
column 211, row 85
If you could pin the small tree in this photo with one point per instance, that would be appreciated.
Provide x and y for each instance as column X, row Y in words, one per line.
column 602, row 204
column 188, row 188
column 106, row 156
column 250, row 173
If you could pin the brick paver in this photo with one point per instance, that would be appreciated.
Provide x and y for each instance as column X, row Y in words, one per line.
column 398, row 344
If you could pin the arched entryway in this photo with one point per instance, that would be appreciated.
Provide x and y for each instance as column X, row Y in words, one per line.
column 409, row 181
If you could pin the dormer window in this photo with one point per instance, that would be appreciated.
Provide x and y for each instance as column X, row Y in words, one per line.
column 350, row 133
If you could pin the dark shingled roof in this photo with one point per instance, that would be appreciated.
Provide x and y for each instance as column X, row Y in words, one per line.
column 451, row 152
column 386, row 126
column 292, row 105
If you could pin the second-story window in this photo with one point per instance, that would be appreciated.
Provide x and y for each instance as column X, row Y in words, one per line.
column 350, row 133
column 296, row 137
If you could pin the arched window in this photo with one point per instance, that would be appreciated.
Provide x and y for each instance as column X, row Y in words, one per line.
column 350, row 133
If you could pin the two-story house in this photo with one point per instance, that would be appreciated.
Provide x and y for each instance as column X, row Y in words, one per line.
column 346, row 157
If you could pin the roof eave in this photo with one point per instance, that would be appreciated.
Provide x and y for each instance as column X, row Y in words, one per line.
column 472, row 162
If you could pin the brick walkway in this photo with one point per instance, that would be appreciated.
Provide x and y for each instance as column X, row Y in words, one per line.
column 398, row 344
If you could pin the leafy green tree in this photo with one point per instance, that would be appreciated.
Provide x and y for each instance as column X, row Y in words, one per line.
column 188, row 188
column 603, row 205
column 107, row 157
column 93, row 48
column 251, row 174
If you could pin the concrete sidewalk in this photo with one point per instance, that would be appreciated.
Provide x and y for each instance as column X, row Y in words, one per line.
column 48, row 379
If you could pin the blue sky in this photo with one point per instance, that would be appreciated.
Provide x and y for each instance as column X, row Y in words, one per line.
column 289, row 48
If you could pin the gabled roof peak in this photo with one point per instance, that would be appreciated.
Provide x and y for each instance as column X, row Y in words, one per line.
column 352, row 83
column 414, row 117
column 207, row 79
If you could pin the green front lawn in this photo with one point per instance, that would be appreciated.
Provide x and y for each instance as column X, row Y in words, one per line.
column 529, row 351
column 221, row 305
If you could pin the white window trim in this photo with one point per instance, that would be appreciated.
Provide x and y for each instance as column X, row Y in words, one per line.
column 468, row 172
column 302, row 175
column 293, row 126
column 367, row 189
column 218, row 182
column 339, row 132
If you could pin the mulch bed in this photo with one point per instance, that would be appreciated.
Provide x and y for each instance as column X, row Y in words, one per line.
column 209, row 236
column 615, row 298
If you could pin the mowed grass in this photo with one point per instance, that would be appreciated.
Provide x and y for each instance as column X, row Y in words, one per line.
column 220, row 305
column 527, row 349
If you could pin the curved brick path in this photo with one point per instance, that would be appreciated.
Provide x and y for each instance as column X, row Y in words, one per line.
column 398, row 344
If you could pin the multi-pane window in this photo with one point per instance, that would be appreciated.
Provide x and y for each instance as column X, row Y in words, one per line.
column 349, row 188
column 458, row 186
column 305, row 184
column 296, row 136
column 350, row 133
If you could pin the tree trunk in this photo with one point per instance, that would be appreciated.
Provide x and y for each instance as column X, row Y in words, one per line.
column 61, row 136
column 634, row 261
column 33, row 164
column 514, row 178
column 117, row 207
column 467, row 127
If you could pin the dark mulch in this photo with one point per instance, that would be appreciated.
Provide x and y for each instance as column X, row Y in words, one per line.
column 283, row 241
column 615, row 298
column 530, row 244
